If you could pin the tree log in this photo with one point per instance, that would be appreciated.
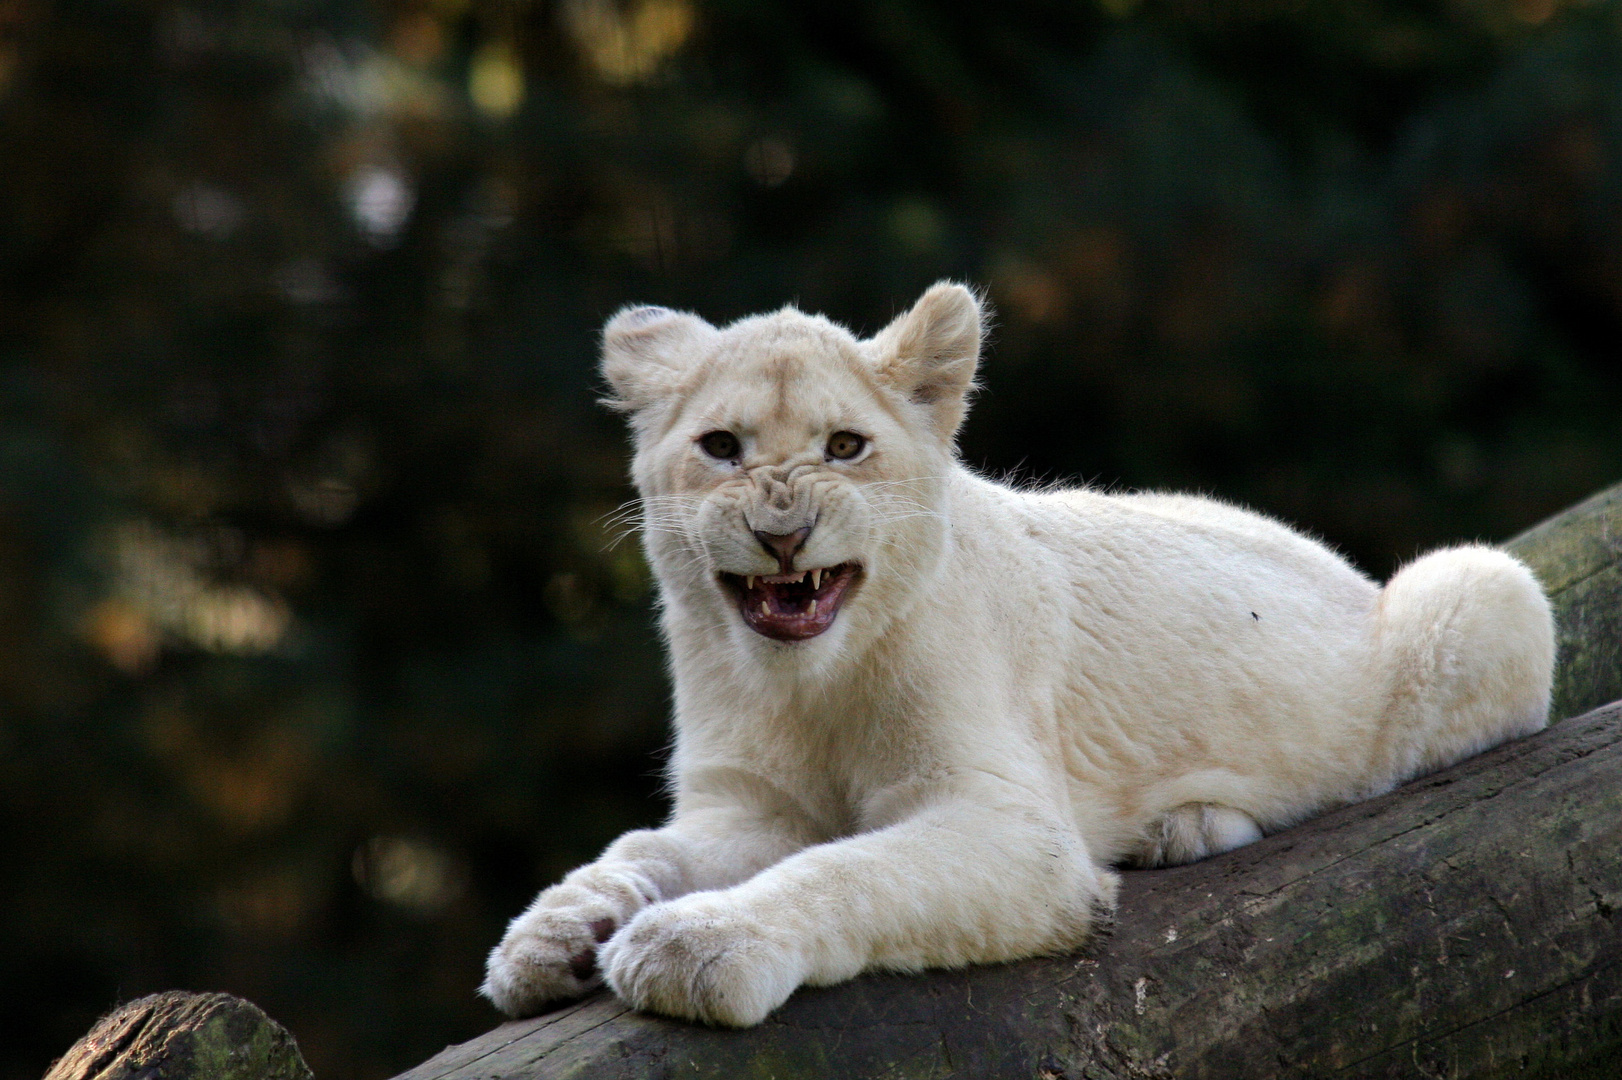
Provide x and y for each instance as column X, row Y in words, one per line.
column 1578, row 557
column 1464, row 926
column 178, row 1035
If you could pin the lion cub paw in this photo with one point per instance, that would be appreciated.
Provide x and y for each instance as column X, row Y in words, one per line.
column 1194, row 831
column 703, row 958
column 549, row 953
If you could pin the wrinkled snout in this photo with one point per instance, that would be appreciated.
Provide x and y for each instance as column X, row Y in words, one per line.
column 800, row 599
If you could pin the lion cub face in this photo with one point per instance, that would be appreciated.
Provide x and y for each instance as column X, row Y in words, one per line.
column 789, row 472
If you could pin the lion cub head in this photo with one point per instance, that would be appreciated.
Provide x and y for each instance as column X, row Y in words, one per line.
column 790, row 473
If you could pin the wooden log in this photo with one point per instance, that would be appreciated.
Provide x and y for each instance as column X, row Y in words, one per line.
column 1464, row 926
column 179, row 1035
column 1577, row 555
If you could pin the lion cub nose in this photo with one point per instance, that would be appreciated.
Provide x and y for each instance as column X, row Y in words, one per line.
column 783, row 546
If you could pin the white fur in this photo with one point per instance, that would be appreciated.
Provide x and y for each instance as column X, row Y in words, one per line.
column 1023, row 689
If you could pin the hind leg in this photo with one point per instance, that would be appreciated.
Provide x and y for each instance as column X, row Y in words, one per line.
column 1466, row 639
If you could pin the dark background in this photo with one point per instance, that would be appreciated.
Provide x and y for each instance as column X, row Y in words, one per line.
column 316, row 656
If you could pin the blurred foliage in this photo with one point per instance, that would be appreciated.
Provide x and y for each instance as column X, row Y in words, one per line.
column 317, row 655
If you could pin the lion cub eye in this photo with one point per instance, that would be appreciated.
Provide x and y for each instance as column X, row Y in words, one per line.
column 845, row 445
column 720, row 444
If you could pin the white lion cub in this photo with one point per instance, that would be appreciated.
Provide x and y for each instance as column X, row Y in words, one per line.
column 920, row 714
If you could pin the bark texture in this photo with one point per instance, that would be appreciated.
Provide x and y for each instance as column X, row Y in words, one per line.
column 178, row 1035
column 1578, row 557
column 1464, row 926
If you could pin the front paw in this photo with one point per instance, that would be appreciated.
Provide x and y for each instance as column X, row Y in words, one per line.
column 549, row 953
column 703, row 957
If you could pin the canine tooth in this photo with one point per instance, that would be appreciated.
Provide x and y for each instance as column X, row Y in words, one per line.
column 813, row 607
column 816, row 583
column 750, row 578
column 765, row 608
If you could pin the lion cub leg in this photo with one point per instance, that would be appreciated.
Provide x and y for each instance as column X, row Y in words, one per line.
column 980, row 873
column 1192, row 831
column 1466, row 642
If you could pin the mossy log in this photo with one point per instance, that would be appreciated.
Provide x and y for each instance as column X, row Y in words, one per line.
column 1578, row 557
column 1464, row 926
column 178, row 1035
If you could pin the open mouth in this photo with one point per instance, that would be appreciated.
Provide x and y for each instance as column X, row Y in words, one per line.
column 792, row 607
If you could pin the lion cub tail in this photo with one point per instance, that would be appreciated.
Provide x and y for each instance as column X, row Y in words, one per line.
column 1465, row 640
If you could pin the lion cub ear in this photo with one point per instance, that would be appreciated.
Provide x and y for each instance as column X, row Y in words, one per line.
column 929, row 354
column 646, row 350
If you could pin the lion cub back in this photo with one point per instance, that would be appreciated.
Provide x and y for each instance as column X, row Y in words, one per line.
column 1193, row 652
